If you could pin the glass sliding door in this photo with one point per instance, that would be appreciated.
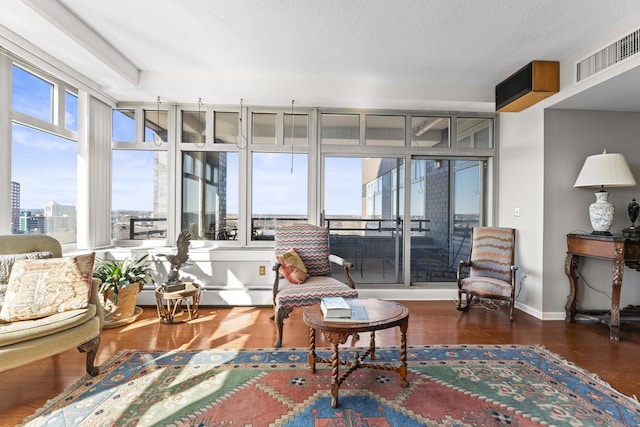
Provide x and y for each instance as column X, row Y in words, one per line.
column 447, row 199
column 363, row 204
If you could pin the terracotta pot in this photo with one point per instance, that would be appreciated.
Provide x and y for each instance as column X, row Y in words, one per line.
column 122, row 312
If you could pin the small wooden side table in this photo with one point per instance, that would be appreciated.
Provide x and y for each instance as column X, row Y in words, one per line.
column 168, row 303
column 380, row 315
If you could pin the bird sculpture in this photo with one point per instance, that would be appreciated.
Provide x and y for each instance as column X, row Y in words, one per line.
column 177, row 260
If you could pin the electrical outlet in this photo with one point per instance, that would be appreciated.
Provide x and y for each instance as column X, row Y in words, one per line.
column 262, row 270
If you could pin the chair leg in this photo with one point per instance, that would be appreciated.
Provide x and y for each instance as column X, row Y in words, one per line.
column 468, row 297
column 459, row 305
column 281, row 314
column 511, row 310
column 91, row 348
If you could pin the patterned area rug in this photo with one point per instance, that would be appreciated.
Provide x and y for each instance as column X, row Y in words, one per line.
column 450, row 385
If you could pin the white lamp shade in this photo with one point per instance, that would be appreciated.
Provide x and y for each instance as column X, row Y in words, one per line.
column 605, row 170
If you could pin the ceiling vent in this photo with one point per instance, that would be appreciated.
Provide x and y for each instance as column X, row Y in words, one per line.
column 610, row 55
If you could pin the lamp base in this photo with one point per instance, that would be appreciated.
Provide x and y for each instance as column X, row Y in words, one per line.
column 601, row 233
column 601, row 214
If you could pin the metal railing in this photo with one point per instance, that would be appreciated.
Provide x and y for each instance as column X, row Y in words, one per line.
column 147, row 233
column 379, row 224
column 266, row 224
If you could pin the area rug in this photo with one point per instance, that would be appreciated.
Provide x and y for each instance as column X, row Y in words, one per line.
column 449, row 385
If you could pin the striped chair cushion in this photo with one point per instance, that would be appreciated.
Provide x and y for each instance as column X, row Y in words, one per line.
column 310, row 242
column 492, row 252
column 487, row 286
column 308, row 293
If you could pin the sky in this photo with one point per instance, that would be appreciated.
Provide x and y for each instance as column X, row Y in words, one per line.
column 43, row 164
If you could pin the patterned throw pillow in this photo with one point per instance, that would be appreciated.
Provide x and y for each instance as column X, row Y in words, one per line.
column 40, row 288
column 7, row 260
column 292, row 267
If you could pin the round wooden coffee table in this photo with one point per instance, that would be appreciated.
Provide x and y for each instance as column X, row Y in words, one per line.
column 380, row 314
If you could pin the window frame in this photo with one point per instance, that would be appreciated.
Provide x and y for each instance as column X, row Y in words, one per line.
column 310, row 149
column 315, row 150
column 56, row 127
column 139, row 144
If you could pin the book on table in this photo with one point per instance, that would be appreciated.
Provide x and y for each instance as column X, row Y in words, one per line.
column 358, row 313
column 335, row 307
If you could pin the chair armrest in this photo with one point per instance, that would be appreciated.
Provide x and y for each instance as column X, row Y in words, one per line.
column 346, row 268
column 95, row 299
column 463, row 264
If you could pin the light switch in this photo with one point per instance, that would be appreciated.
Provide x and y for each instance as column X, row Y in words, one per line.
column 516, row 212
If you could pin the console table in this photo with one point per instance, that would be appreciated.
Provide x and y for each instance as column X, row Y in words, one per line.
column 620, row 250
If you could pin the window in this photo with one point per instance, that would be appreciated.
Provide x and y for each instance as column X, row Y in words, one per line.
column 279, row 192
column 340, row 129
column 139, row 195
column 123, row 126
column 429, row 131
column 296, row 129
column 47, row 183
column 210, row 194
column 71, row 111
column 43, row 186
column 264, row 128
column 226, row 127
column 370, row 168
column 279, row 163
column 475, row 133
column 385, row 131
column 32, row 95
column 139, row 174
column 194, row 127
column 155, row 126
column 397, row 190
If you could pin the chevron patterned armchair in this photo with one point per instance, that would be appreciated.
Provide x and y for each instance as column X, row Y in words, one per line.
column 491, row 269
column 311, row 243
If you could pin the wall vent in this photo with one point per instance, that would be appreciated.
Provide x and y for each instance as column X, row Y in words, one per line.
column 610, row 55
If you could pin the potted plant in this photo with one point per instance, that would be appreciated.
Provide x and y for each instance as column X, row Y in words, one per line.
column 122, row 281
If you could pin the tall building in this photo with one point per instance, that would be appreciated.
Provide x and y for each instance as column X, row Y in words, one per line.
column 15, row 207
column 60, row 221
column 30, row 223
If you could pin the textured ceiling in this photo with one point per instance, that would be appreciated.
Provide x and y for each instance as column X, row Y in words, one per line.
column 365, row 53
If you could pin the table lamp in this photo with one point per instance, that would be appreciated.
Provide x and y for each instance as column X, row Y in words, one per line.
column 604, row 170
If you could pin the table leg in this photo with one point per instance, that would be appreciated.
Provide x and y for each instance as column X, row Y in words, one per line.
column 312, row 350
column 335, row 384
column 372, row 346
column 196, row 304
column 570, row 266
column 402, row 370
column 614, row 328
column 159, row 307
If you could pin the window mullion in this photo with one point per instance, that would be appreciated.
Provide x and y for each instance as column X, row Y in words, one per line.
column 5, row 149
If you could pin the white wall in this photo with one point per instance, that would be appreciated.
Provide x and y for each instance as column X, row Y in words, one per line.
column 520, row 185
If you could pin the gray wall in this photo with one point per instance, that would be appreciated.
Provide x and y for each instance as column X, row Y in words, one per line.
column 569, row 137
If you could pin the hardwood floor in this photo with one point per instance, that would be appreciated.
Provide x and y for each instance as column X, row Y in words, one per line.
column 25, row 389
